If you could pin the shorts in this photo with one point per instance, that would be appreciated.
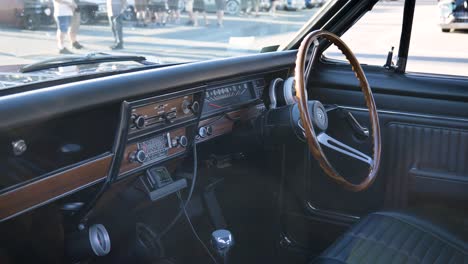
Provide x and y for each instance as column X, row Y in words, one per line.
column 75, row 22
column 63, row 23
column 189, row 6
column 173, row 4
column 220, row 5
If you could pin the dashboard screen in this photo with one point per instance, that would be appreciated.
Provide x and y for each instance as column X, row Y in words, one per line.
column 226, row 96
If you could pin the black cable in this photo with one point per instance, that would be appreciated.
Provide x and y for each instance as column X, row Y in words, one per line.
column 189, row 197
column 195, row 232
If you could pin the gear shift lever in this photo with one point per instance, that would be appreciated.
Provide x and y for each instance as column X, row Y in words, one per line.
column 222, row 241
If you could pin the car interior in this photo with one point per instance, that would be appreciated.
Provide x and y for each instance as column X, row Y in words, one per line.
column 284, row 156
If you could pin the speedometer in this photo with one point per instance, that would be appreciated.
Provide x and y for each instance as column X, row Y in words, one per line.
column 219, row 94
column 223, row 97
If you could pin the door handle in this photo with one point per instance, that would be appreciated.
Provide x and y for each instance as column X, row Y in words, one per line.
column 360, row 131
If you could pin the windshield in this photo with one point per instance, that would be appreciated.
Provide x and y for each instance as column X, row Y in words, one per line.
column 162, row 31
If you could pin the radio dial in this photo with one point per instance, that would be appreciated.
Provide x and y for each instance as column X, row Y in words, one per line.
column 209, row 130
column 138, row 156
column 188, row 107
column 202, row 132
column 183, row 141
column 139, row 121
column 195, row 107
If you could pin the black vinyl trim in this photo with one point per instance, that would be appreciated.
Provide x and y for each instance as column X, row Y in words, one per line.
column 36, row 105
column 406, row 28
column 391, row 83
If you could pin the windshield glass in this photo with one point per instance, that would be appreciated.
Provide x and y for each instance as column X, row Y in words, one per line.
column 162, row 31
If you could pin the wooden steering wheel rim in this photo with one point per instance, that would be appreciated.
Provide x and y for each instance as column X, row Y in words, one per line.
column 311, row 137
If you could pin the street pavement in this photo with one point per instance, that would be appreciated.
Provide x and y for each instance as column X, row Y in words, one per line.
column 371, row 38
column 171, row 43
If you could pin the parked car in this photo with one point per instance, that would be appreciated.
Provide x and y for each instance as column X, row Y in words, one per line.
column 27, row 14
column 88, row 11
column 233, row 7
column 453, row 14
column 314, row 3
column 293, row 5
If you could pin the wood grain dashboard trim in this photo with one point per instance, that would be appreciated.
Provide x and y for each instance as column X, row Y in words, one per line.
column 50, row 188
column 223, row 124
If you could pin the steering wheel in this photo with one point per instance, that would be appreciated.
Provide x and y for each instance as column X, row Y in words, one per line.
column 315, row 118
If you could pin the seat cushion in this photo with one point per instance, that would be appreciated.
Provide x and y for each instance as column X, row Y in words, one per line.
column 390, row 237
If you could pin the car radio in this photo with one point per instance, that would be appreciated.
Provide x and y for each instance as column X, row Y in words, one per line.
column 154, row 149
column 162, row 113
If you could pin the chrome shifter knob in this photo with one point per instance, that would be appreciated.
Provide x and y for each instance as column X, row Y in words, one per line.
column 222, row 241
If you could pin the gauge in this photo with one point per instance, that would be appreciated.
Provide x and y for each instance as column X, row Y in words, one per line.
column 219, row 98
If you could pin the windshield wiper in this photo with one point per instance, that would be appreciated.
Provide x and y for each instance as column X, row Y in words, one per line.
column 81, row 60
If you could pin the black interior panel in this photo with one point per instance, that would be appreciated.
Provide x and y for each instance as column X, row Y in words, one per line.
column 424, row 122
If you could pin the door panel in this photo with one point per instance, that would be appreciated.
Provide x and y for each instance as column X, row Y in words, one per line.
column 422, row 156
column 424, row 128
column 424, row 124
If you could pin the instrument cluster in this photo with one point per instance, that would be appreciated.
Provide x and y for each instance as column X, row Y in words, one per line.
column 222, row 98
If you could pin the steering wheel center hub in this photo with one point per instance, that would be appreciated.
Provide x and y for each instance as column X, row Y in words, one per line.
column 319, row 116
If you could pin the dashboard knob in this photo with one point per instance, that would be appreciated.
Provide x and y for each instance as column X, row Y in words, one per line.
column 195, row 107
column 209, row 130
column 202, row 132
column 183, row 141
column 139, row 121
column 138, row 156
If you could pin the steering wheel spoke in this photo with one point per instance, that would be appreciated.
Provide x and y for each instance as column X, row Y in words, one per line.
column 326, row 140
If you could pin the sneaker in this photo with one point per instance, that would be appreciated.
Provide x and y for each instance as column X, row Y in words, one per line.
column 117, row 46
column 65, row 51
column 77, row 45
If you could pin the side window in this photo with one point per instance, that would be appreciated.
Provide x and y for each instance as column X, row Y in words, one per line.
column 439, row 39
column 373, row 36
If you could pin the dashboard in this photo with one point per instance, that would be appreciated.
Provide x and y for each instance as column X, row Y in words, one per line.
column 162, row 128
column 145, row 131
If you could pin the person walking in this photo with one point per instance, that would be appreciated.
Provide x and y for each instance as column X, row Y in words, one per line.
column 141, row 8
column 75, row 26
column 115, row 9
column 274, row 6
column 174, row 12
column 159, row 9
column 220, row 5
column 199, row 7
column 255, row 6
column 189, row 10
column 63, row 13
